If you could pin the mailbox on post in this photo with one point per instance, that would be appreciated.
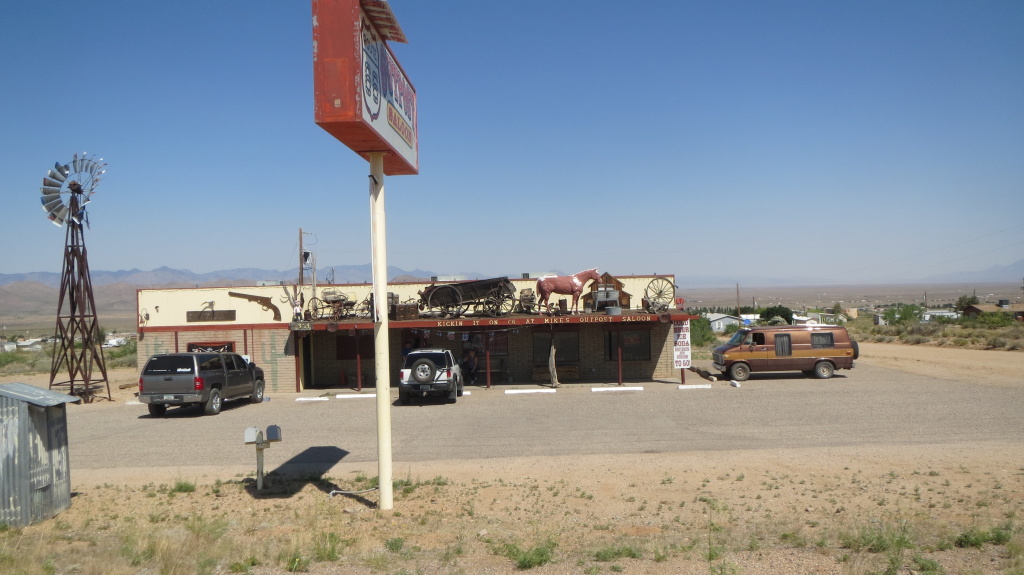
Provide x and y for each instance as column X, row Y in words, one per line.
column 255, row 436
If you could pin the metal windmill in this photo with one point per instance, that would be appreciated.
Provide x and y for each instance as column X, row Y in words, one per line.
column 67, row 188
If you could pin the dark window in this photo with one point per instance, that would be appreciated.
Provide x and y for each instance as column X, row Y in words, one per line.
column 636, row 345
column 348, row 345
column 822, row 340
column 439, row 359
column 758, row 338
column 567, row 347
column 212, row 363
column 166, row 364
column 783, row 345
column 495, row 342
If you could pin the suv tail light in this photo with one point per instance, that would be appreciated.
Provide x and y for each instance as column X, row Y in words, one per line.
column 199, row 383
column 448, row 373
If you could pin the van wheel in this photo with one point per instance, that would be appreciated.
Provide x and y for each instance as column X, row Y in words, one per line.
column 823, row 370
column 739, row 372
column 856, row 349
column 213, row 404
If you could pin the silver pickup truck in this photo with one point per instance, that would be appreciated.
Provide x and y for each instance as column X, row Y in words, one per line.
column 205, row 379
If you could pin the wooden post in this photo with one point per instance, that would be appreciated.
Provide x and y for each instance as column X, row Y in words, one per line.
column 551, row 363
column 487, row 363
column 359, row 364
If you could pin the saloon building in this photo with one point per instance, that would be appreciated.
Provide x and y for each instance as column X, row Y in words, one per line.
column 307, row 337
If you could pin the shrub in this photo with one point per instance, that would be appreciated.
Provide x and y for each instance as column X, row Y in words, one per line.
column 528, row 558
column 700, row 332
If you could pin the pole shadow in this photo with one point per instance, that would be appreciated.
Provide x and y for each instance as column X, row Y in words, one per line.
column 308, row 467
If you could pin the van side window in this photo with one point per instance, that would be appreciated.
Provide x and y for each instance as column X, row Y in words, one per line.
column 758, row 338
column 783, row 345
column 822, row 340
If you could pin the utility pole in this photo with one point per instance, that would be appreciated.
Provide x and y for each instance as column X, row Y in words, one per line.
column 738, row 314
column 302, row 263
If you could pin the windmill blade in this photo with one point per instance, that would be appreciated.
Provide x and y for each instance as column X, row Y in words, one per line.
column 49, row 182
column 61, row 169
column 56, row 176
column 47, row 190
column 52, row 205
column 59, row 215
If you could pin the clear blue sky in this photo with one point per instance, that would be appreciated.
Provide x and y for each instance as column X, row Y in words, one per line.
column 803, row 140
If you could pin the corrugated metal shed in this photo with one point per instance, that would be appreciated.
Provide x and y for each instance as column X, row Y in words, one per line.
column 35, row 478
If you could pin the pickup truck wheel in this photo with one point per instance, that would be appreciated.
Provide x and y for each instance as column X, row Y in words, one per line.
column 213, row 404
column 423, row 370
column 257, row 392
column 823, row 370
column 157, row 409
column 739, row 372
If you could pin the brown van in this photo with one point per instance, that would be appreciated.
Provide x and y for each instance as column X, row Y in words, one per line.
column 817, row 350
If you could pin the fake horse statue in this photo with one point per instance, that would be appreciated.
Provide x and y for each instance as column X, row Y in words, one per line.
column 573, row 284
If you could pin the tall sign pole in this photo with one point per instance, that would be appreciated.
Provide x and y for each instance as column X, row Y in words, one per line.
column 381, row 342
column 363, row 98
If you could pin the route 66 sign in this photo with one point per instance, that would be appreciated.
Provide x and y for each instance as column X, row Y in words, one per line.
column 373, row 50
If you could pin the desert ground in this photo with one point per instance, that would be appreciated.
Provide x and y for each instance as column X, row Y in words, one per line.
column 845, row 510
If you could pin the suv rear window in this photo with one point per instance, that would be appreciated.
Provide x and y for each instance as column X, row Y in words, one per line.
column 169, row 364
column 438, row 359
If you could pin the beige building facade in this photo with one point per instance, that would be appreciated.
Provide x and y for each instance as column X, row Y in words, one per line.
column 319, row 350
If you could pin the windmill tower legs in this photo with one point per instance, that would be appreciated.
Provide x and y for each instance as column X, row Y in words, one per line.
column 78, row 351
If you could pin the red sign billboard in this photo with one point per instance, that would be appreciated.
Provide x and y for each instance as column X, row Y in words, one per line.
column 362, row 95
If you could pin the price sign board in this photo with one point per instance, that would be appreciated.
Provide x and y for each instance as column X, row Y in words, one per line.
column 681, row 344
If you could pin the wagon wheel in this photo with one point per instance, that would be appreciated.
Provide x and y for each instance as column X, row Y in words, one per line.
column 319, row 309
column 659, row 294
column 364, row 309
column 501, row 301
column 447, row 300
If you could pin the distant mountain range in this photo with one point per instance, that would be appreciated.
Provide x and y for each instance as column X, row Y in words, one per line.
column 165, row 276
column 168, row 276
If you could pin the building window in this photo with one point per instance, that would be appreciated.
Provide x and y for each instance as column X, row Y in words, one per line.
column 822, row 340
column 636, row 345
column 211, row 347
column 495, row 342
column 348, row 346
column 567, row 347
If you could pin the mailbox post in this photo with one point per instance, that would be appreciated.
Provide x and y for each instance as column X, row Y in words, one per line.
column 254, row 436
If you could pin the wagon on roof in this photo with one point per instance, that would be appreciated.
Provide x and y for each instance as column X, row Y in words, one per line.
column 495, row 297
